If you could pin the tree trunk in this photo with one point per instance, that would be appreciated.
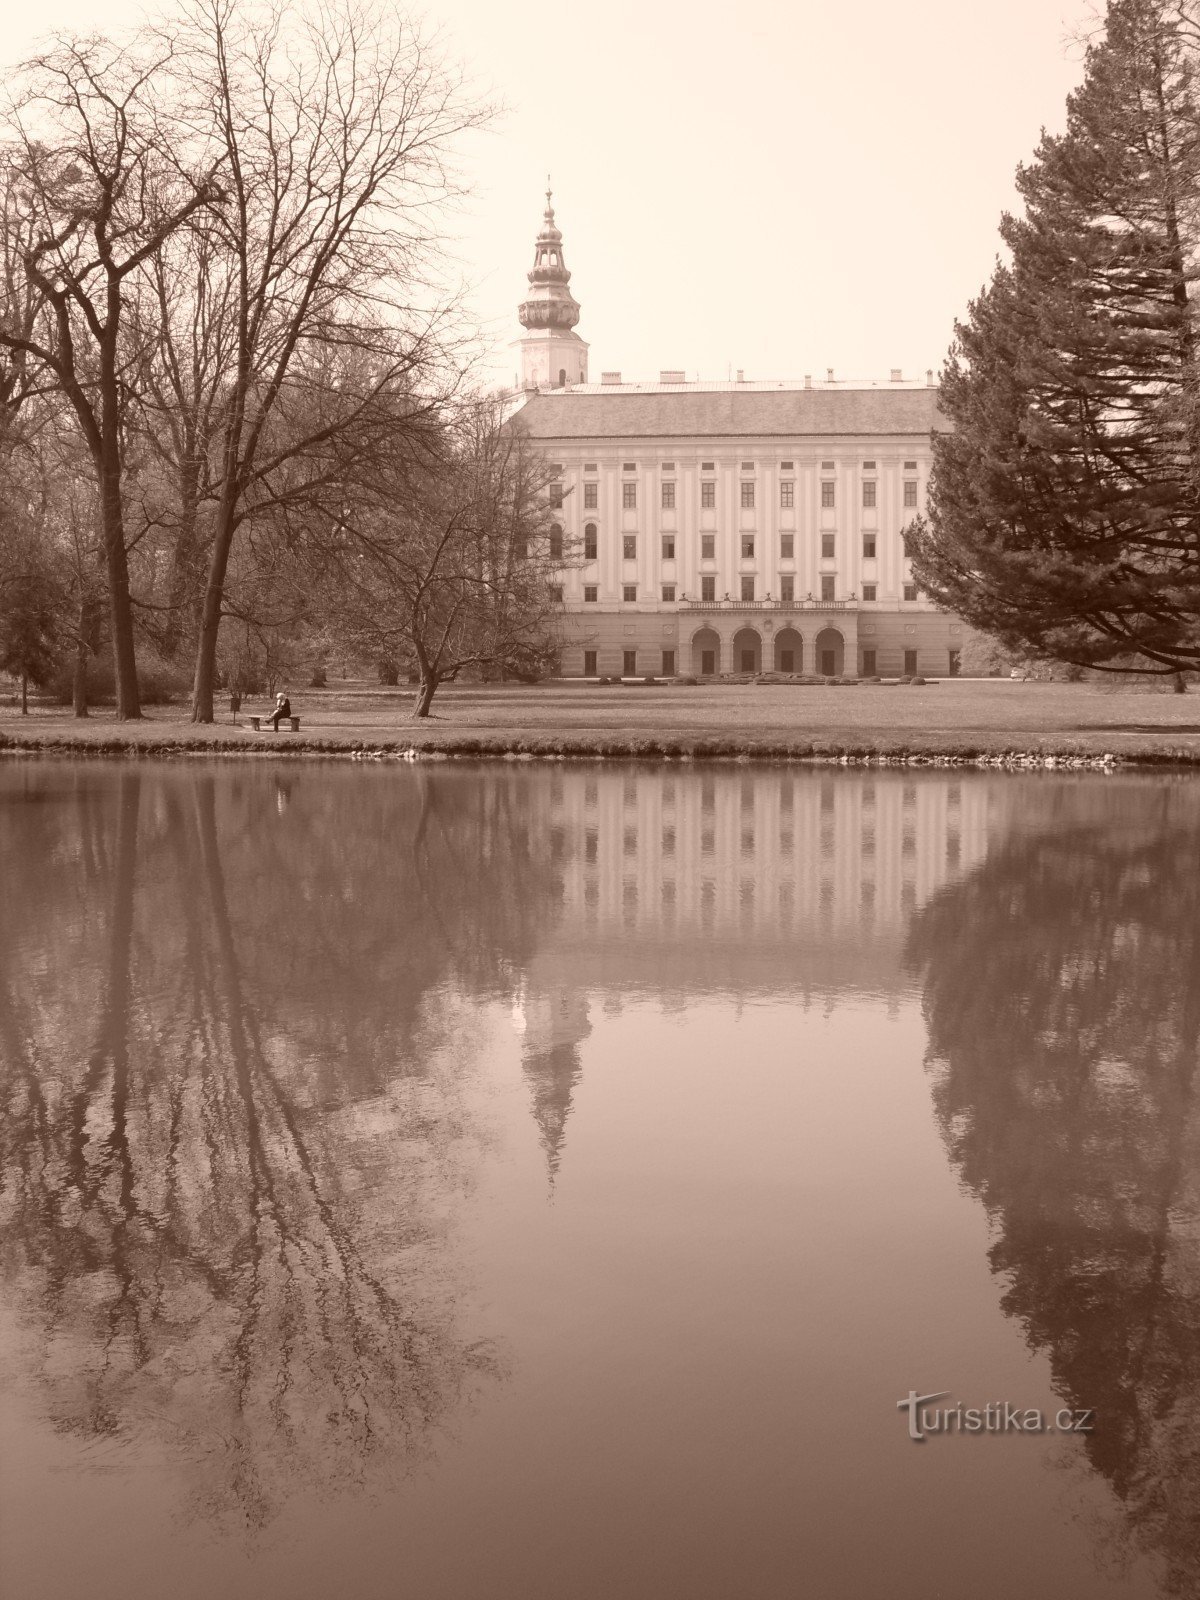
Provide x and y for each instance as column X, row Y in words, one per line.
column 116, row 558
column 79, row 694
column 1180, row 684
column 425, row 695
column 86, row 644
column 182, row 591
column 205, row 680
column 389, row 674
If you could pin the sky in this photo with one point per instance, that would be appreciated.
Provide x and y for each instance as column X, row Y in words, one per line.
column 781, row 188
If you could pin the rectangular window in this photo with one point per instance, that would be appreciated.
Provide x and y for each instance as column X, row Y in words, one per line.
column 869, row 591
column 629, row 496
column 747, row 466
column 827, row 466
column 827, row 487
column 869, row 546
column 668, row 663
column 787, row 589
column 827, row 582
column 629, row 592
column 590, row 593
column 708, row 547
column 556, row 494
column 787, row 546
column 629, row 662
column 868, row 664
column 955, row 663
column 910, row 494
column 668, row 593
column 708, row 586
column 910, row 466
column 708, row 466
column 589, row 542
column 910, row 591
column 556, row 543
column 787, row 466
column 748, row 587
column 910, row 663
column 787, row 494
column 629, row 546
column 589, row 663
column 668, row 547
column 591, row 496
column 556, row 591
column 868, row 466
column 828, row 546
column 668, row 497
column 747, row 547
column 708, row 494
column 748, row 495
column 869, row 493
column 629, row 466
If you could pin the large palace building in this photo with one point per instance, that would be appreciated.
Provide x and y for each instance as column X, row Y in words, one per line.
column 728, row 527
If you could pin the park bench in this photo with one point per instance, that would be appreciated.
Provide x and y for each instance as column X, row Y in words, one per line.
column 257, row 722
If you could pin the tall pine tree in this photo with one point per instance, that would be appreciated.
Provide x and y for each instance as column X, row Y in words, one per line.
column 1064, row 509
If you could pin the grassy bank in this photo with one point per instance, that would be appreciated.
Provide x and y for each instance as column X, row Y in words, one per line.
column 961, row 719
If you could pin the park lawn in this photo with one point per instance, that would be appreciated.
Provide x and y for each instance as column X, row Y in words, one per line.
column 961, row 717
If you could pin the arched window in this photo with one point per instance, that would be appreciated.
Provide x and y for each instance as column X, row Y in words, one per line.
column 556, row 543
column 590, row 542
column 562, row 377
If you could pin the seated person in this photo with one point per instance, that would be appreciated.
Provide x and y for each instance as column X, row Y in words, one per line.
column 282, row 708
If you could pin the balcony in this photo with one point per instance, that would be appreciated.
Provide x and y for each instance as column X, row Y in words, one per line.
column 806, row 604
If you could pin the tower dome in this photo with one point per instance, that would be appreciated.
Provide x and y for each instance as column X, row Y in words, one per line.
column 552, row 355
column 550, row 303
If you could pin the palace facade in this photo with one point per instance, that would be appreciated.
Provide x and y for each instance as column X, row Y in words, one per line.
column 728, row 527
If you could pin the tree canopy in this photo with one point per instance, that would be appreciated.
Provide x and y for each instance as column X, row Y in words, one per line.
column 1063, row 510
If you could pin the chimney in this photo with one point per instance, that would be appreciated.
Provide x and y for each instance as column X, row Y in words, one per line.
column 929, row 377
column 897, row 375
column 828, row 374
column 671, row 376
column 808, row 380
column 610, row 377
column 741, row 376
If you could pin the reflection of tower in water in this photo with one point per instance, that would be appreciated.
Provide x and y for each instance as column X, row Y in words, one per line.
column 553, row 1023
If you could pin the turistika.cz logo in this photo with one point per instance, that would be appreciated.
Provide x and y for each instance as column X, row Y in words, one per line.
column 998, row 1416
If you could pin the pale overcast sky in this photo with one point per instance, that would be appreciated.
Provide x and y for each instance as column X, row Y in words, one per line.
column 782, row 186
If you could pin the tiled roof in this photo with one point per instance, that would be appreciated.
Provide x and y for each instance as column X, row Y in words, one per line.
column 727, row 412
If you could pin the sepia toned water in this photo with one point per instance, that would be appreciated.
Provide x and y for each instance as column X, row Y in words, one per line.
column 515, row 1181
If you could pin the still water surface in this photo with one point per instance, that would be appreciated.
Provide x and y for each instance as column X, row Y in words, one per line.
column 511, row 1182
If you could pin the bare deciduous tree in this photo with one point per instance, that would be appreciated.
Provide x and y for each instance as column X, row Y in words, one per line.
column 452, row 560
column 332, row 137
column 100, row 191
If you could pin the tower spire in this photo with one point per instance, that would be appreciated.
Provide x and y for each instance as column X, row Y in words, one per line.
column 552, row 354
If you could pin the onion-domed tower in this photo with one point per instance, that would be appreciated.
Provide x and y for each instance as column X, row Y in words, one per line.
column 551, row 353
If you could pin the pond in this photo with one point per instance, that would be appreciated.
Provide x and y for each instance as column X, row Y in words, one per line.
column 512, row 1181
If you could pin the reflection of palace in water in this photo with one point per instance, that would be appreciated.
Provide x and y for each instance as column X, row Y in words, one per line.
column 769, row 863
column 727, row 879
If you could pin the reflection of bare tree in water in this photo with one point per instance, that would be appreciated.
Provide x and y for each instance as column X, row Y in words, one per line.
column 225, row 1213
column 1062, row 993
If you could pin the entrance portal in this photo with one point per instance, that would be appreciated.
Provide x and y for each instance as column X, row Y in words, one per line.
column 747, row 650
column 706, row 653
column 831, row 653
column 789, row 651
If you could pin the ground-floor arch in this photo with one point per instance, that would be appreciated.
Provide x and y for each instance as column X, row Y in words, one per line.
column 830, row 652
column 706, row 653
column 747, row 651
column 789, row 651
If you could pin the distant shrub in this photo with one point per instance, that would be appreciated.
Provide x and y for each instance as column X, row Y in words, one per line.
column 159, row 682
